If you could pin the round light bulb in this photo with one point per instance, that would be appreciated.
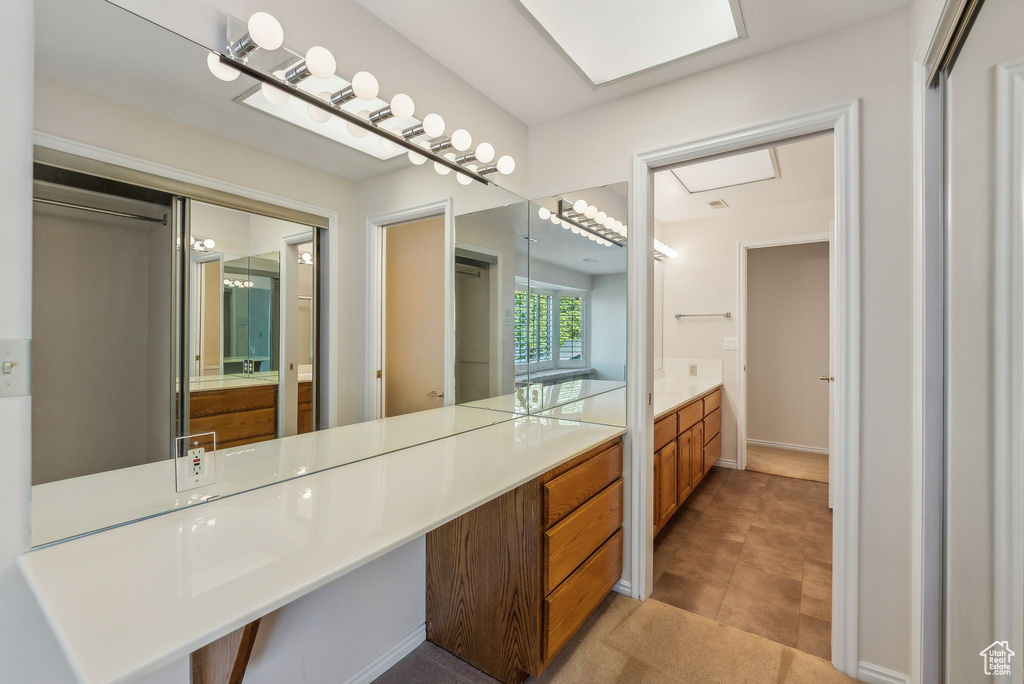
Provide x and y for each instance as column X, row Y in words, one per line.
column 579, row 206
column 320, row 62
column 273, row 94
column 209, row 244
column 544, row 213
column 485, row 152
column 219, row 69
column 317, row 114
column 506, row 165
column 227, row 282
column 441, row 168
column 601, row 217
column 192, row 241
column 462, row 140
column 433, row 125
column 365, row 86
column 265, row 31
column 557, row 220
column 591, row 237
column 463, row 178
column 590, row 212
column 388, row 145
column 402, row 106
column 416, row 158
column 357, row 131
column 575, row 230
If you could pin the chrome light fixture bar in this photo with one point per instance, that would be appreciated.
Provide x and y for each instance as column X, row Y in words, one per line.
column 325, row 106
column 567, row 215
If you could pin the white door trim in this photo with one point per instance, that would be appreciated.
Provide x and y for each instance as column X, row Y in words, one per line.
column 375, row 226
column 741, row 324
column 497, row 316
column 1008, row 451
column 333, row 408
column 843, row 120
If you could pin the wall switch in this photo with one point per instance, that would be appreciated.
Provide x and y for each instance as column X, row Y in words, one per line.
column 693, row 369
column 730, row 343
column 14, row 368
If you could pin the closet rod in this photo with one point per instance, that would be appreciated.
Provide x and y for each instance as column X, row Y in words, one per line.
column 723, row 315
column 108, row 212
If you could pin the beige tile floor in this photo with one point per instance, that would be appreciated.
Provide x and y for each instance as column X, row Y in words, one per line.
column 753, row 551
column 802, row 465
column 629, row 642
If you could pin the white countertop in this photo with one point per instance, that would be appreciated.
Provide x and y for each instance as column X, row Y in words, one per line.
column 673, row 393
column 130, row 600
column 536, row 397
column 205, row 383
column 67, row 508
column 607, row 408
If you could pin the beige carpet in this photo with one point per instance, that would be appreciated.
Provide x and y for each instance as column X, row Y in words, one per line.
column 803, row 465
column 651, row 642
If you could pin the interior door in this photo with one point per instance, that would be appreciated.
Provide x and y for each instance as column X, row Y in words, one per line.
column 415, row 325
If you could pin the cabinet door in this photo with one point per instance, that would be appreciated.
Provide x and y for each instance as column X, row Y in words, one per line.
column 667, row 498
column 684, row 478
column 697, row 453
column 657, row 492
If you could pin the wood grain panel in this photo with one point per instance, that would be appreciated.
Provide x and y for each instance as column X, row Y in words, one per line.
column 304, row 422
column 712, row 452
column 684, row 477
column 657, row 494
column 664, row 431
column 225, row 660
column 712, row 425
column 570, row 542
column 712, row 401
column 568, row 606
column 667, row 485
column 696, row 458
column 233, row 427
column 483, row 585
column 568, row 491
column 689, row 415
column 578, row 460
column 234, row 400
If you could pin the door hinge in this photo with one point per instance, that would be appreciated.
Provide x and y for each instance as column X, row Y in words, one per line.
column 379, row 375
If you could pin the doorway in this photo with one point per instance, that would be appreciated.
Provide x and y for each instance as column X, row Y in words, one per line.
column 477, row 299
column 785, row 345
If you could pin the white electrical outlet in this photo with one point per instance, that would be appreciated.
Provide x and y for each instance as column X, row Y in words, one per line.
column 730, row 343
column 195, row 465
column 195, row 458
column 693, row 370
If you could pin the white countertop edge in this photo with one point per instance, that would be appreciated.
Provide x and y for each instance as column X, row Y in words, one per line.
column 711, row 387
column 265, row 607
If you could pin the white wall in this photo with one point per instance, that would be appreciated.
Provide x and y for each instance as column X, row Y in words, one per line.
column 787, row 344
column 867, row 61
column 704, row 278
column 608, row 326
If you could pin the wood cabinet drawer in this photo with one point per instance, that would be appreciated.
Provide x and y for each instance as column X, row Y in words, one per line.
column 569, row 491
column 712, row 452
column 306, row 392
column 570, row 542
column 664, row 431
column 667, row 485
column 712, row 401
column 712, row 425
column 568, row 606
column 697, row 453
column 689, row 415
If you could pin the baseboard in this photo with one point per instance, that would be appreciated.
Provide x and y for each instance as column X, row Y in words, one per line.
column 623, row 587
column 723, row 463
column 876, row 674
column 793, row 447
column 379, row 665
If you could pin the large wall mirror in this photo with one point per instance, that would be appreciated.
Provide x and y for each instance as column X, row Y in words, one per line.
column 222, row 272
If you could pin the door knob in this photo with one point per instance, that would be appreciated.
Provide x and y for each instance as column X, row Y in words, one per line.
column 826, row 378
column 434, row 393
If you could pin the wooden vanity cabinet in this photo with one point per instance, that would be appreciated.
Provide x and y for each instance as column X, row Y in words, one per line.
column 305, row 414
column 680, row 464
column 511, row 581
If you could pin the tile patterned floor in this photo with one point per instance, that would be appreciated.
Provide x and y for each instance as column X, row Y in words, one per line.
column 753, row 551
column 787, row 462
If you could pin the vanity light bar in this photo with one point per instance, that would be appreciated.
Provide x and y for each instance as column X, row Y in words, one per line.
column 663, row 251
column 264, row 31
column 566, row 218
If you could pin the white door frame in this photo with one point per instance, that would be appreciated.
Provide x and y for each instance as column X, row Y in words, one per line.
column 496, row 375
column 375, row 228
column 843, row 120
column 1008, row 402
column 287, row 376
column 742, row 249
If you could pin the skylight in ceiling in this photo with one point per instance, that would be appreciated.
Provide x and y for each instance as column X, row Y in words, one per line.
column 726, row 172
column 610, row 39
column 294, row 111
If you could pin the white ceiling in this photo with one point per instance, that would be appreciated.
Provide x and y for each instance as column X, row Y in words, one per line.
column 806, row 171
column 498, row 48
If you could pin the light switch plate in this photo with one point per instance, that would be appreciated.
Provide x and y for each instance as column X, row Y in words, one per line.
column 15, row 368
column 730, row 343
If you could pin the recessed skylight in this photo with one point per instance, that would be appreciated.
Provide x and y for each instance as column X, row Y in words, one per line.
column 296, row 112
column 726, row 172
column 610, row 39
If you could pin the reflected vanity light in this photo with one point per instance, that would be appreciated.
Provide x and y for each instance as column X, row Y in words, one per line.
column 264, row 31
column 202, row 244
column 663, row 251
column 573, row 217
